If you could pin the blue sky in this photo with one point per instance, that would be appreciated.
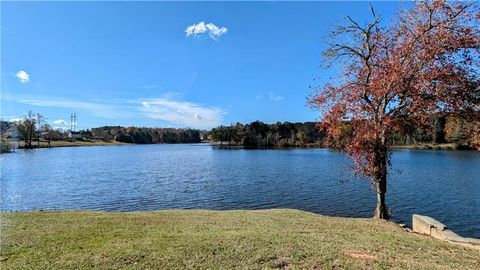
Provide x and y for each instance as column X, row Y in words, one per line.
column 139, row 63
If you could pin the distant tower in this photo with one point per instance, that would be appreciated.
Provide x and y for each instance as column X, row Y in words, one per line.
column 73, row 121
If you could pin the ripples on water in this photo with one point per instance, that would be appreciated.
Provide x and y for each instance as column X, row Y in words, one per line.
column 442, row 184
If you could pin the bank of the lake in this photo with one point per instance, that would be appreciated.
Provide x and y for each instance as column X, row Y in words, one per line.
column 84, row 142
column 198, row 239
column 418, row 146
column 11, row 147
column 73, row 143
column 434, row 146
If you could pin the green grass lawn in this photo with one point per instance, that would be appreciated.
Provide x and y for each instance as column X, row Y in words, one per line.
column 7, row 145
column 64, row 143
column 196, row 239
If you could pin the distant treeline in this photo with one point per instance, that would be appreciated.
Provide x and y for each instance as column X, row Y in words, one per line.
column 258, row 134
column 441, row 129
column 145, row 135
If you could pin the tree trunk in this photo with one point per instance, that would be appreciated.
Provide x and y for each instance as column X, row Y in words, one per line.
column 30, row 140
column 381, row 211
column 381, row 156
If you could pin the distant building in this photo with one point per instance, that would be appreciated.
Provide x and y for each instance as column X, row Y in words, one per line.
column 74, row 135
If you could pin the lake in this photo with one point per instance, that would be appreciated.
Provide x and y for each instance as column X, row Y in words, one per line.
column 442, row 184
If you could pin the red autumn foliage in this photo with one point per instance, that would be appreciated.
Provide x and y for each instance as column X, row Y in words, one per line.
column 425, row 62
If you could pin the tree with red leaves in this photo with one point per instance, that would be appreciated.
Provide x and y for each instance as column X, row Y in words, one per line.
column 425, row 62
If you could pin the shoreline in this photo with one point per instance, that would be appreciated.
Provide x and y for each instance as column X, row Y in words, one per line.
column 65, row 143
column 432, row 146
column 80, row 143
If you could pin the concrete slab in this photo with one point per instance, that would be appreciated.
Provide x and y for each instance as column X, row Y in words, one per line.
column 429, row 226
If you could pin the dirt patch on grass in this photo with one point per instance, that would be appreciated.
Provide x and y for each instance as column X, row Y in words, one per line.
column 360, row 255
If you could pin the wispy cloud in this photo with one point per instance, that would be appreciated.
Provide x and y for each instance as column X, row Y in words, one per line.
column 183, row 113
column 23, row 76
column 271, row 96
column 104, row 110
column 150, row 86
column 146, row 104
column 201, row 28
column 62, row 103
column 274, row 97
column 60, row 122
column 168, row 108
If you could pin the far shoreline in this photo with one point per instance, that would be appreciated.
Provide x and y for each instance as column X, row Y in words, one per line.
column 225, row 145
column 419, row 146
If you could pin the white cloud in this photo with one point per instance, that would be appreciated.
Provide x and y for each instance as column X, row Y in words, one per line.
column 60, row 122
column 23, row 76
column 15, row 119
column 270, row 96
column 201, row 28
column 62, row 103
column 215, row 31
column 60, row 128
column 183, row 113
column 104, row 110
column 146, row 104
column 167, row 108
column 273, row 97
column 196, row 29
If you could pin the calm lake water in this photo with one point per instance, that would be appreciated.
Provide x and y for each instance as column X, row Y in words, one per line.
column 442, row 184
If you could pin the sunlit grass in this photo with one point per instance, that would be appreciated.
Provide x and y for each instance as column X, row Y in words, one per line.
column 66, row 143
column 218, row 240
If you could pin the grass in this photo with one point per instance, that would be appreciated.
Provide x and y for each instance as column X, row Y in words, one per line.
column 197, row 239
column 66, row 143
column 7, row 147
column 83, row 143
